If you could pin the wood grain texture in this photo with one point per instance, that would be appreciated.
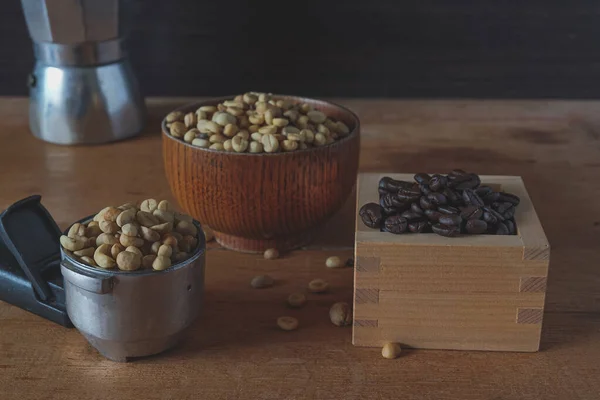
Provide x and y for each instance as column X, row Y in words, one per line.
column 451, row 293
column 259, row 201
column 234, row 351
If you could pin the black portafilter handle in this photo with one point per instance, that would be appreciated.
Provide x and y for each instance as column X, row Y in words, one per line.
column 30, row 276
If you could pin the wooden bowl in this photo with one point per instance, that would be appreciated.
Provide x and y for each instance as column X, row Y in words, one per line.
column 258, row 201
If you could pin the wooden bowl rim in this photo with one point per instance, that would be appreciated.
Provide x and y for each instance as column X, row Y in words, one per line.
column 187, row 107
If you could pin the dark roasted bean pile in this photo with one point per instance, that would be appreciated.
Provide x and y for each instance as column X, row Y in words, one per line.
column 449, row 205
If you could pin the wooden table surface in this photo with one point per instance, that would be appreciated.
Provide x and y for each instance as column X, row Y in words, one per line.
column 234, row 350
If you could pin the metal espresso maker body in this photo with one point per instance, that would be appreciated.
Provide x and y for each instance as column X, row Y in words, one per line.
column 82, row 89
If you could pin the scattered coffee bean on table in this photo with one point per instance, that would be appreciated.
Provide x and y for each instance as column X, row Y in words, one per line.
column 296, row 300
column 261, row 281
column 340, row 314
column 318, row 286
column 391, row 350
column 271, row 254
column 333, row 262
column 449, row 205
column 287, row 323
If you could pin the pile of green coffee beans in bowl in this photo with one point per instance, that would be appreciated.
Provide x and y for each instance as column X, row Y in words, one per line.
column 256, row 123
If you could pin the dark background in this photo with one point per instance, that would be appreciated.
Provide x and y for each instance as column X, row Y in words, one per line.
column 370, row 48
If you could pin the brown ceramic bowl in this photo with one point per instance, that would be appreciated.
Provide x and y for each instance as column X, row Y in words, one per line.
column 258, row 201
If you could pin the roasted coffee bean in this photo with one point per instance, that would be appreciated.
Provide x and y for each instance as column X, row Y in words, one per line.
column 419, row 227
column 471, row 198
column 383, row 182
column 438, row 182
column 394, row 185
column 445, row 230
column 446, row 209
column 422, row 178
column 371, row 215
column 454, row 198
column 509, row 197
column 471, row 212
column 495, row 213
column 411, row 215
column 433, row 215
column 425, row 203
column 491, row 197
column 476, row 226
column 456, row 179
column 489, row 218
column 388, row 200
column 425, row 189
column 512, row 228
column 415, row 208
column 382, row 191
column 455, row 202
column 396, row 224
column 409, row 194
column 472, row 183
column 483, row 191
column 501, row 207
column 450, row 220
column 457, row 173
column 437, row 198
column 501, row 229
column 509, row 213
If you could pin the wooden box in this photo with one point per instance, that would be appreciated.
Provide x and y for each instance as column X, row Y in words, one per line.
column 480, row 292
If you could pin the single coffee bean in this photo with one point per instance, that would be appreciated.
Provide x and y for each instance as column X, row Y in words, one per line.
column 471, row 212
column 491, row 197
column 396, row 224
column 501, row 207
column 445, row 230
column 394, row 185
column 446, row 209
column 472, row 183
column 382, row 191
column 501, row 229
column 476, row 226
column 438, row 182
column 425, row 203
column 419, row 227
column 411, row 215
column 388, row 200
column 437, row 198
column 422, row 178
column 512, row 228
column 456, row 173
column 371, row 215
column 454, row 198
column 471, row 198
column 409, row 194
column 416, row 208
column 509, row 213
column 433, row 215
column 425, row 189
column 483, row 191
column 456, row 179
column 383, row 182
column 495, row 213
column 450, row 219
column 489, row 218
column 509, row 197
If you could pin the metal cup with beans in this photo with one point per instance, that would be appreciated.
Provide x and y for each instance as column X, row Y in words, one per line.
column 133, row 277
